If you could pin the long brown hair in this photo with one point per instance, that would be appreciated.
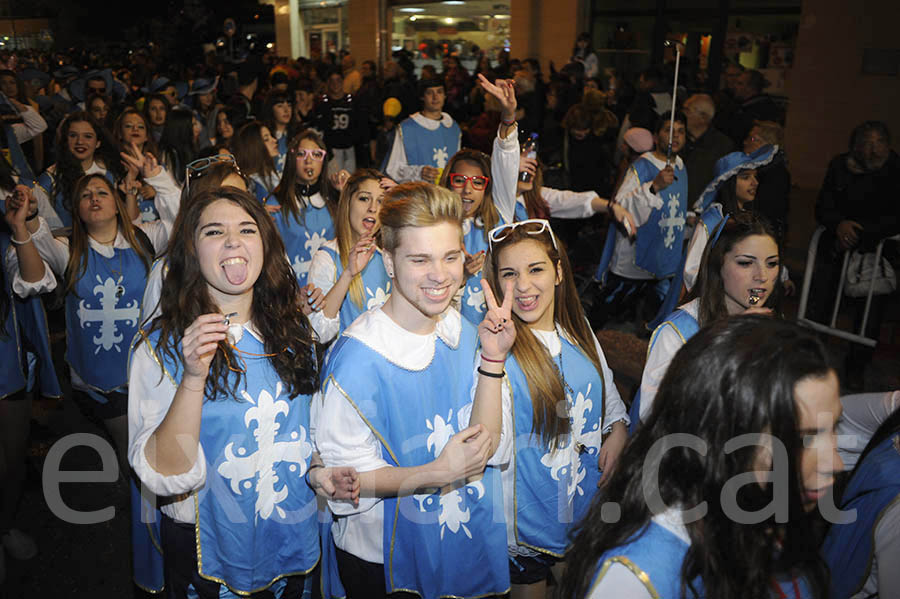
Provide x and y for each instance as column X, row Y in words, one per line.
column 250, row 151
column 535, row 204
column 78, row 242
column 149, row 145
column 488, row 213
column 710, row 287
column 344, row 233
column 292, row 202
column 544, row 382
column 275, row 310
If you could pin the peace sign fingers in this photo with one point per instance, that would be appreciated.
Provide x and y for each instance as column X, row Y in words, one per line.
column 496, row 331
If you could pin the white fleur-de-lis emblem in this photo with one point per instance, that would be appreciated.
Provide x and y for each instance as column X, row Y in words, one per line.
column 109, row 313
column 240, row 467
column 476, row 297
column 440, row 156
column 673, row 221
column 378, row 298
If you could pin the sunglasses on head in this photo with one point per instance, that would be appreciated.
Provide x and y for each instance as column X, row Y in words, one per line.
column 532, row 226
column 458, row 181
column 198, row 168
column 318, row 155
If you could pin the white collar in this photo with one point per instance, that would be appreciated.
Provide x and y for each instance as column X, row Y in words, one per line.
column 95, row 169
column 236, row 332
column 401, row 347
column 316, row 200
column 662, row 163
column 468, row 221
column 552, row 340
column 108, row 251
column 673, row 520
column 446, row 120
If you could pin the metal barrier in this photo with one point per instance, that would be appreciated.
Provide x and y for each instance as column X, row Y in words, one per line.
column 831, row 328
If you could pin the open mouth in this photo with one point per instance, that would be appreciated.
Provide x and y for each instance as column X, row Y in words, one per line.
column 235, row 269
column 527, row 302
column 436, row 294
column 369, row 223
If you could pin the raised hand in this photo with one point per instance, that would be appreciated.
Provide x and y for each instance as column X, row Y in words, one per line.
column 497, row 332
column 201, row 339
column 339, row 179
column 360, row 254
column 474, row 262
column 19, row 205
column 505, row 91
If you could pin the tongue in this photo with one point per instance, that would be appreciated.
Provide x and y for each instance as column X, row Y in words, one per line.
column 236, row 273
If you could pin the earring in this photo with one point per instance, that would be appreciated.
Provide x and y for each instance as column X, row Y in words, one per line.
column 390, row 274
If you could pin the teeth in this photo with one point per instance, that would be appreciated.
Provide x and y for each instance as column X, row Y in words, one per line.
column 431, row 292
column 234, row 261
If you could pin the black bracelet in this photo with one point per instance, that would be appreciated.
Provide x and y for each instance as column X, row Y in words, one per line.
column 32, row 217
column 493, row 375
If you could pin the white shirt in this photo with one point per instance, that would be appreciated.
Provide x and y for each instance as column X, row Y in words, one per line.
column 615, row 412
column 398, row 167
column 667, row 342
column 150, row 396
column 636, row 198
column 323, row 274
column 32, row 125
column 564, row 203
column 344, row 439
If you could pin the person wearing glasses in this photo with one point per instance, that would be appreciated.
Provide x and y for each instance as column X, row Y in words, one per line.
column 412, row 402
column 487, row 187
column 349, row 269
column 306, row 201
column 559, row 457
column 219, row 408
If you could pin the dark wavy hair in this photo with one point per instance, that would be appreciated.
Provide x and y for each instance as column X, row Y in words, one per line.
column 177, row 143
column 275, row 310
column 735, row 377
column 69, row 169
column 710, row 287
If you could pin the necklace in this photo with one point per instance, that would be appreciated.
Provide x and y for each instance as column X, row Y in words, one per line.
column 560, row 369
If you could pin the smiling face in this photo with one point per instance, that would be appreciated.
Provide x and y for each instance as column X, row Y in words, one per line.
column 134, row 130
column 428, row 269
column 96, row 203
column 364, row 205
column 308, row 168
column 745, row 186
column 750, row 268
column 535, row 278
column 818, row 404
column 82, row 141
column 229, row 250
column 471, row 197
column 269, row 141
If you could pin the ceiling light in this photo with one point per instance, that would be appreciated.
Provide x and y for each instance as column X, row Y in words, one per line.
column 411, row 9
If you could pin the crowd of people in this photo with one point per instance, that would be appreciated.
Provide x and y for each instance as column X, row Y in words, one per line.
column 339, row 324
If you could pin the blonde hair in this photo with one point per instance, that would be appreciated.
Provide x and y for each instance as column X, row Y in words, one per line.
column 771, row 132
column 343, row 231
column 417, row 205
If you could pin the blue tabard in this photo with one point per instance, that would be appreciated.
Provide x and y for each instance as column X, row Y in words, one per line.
column 146, row 549
column 686, row 326
column 102, row 317
column 376, row 284
column 303, row 239
column 429, row 148
column 258, row 188
column 282, row 153
column 149, row 213
column 554, row 490
column 16, row 157
column 434, row 545
column 46, row 182
column 849, row 548
column 659, row 241
column 12, row 367
column 31, row 320
column 472, row 305
column 256, row 514
column 656, row 555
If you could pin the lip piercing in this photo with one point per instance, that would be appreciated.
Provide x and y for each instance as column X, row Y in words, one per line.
column 754, row 299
